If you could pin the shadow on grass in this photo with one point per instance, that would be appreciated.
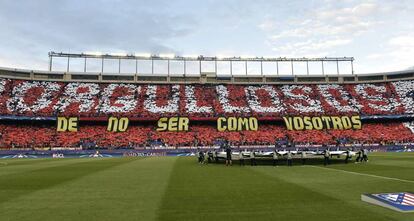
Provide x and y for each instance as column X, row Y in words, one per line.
column 15, row 185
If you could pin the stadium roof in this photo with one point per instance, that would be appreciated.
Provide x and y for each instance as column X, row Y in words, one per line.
column 228, row 62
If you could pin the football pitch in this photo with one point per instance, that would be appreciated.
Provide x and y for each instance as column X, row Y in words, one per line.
column 177, row 188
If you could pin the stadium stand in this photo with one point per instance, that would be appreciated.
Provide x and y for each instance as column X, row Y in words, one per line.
column 26, row 136
column 203, row 103
column 44, row 98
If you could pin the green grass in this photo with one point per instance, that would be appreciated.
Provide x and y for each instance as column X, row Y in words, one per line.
column 177, row 188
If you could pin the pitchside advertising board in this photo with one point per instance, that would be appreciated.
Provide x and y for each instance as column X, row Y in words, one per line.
column 223, row 124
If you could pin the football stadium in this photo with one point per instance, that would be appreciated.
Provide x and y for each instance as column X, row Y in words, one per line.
column 93, row 146
column 161, row 136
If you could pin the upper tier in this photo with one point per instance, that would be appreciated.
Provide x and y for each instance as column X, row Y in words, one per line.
column 151, row 101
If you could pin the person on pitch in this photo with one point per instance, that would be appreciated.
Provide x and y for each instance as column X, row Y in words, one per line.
column 253, row 158
column 327, row 154
column 209, row 156
column 228, row 154
column 289, row 158
column 205, row 157
column 241, row 158
column 216, row 156
column 275, row 156
column 348, row 156
column 303, row 156
column 359, row 156
column 365, row 155
column 200, row 157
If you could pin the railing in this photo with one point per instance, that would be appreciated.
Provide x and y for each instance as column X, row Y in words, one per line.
column 203, row 78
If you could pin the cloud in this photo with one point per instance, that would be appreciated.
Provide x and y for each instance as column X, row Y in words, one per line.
column 343, row 14
column 403, row 41
column 397, row 55
column 321, row 29
column 375, row 32
column 310, row 48
column 41, row 26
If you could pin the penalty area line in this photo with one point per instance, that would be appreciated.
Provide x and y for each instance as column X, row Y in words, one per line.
column 364, row 174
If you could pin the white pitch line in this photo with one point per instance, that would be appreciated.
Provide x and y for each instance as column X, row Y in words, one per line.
column 4, row 163
column 365, row 174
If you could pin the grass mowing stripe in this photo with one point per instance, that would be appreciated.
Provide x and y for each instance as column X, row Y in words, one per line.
column 345, row 187
column 394, row 155
column 405, row 164
column 212, row 192
column 15, row 185
column 19, row 162
column 171, row 188
column 129, row 191
column 31, row 165
column 364, row 174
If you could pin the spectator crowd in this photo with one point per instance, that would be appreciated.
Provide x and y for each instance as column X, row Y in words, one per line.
column 34, row 98
column 149, row 101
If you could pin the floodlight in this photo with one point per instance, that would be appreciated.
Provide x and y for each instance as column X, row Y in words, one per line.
column 145, row 55
column 94, row 53
column 247, row 57
column 167, row 55
column 121, row 54
column 191, row 56
column 220, row 56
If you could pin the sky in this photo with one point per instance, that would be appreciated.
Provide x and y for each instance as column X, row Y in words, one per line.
column 379, row 34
